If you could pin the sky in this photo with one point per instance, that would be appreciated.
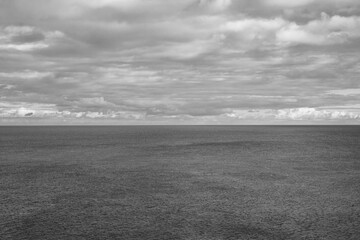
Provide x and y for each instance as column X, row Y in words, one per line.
column 179, row 62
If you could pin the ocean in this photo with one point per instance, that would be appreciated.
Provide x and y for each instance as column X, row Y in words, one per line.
column 180, row 182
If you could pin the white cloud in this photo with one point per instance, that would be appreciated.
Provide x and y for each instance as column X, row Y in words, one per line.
column 215, row 5
column 97, row 115
column 260, row 114
column 307, row 3
column 104, row 115
column 327, row 30
column 254, row 29
column 125, row 4
column 23, row 47
column 188, row 50
column 39, row 110
column 324, row 31
column 7, row 86
column 22, row 109
column 288, row 99
column 296, row 34
column 256, row 25
column 26, row 74
column 352, row 107
column 127, row 75
column 295, row 114
column 96, row 101
column 288, row 3
column 26, row 38
column 314, row 114
column 345, row 92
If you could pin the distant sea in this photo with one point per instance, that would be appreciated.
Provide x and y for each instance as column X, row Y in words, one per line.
column 180, row 182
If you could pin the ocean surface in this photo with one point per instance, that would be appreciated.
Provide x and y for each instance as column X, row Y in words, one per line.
column 180, row 182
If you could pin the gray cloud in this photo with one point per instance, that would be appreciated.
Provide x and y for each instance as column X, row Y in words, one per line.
column 195, row 61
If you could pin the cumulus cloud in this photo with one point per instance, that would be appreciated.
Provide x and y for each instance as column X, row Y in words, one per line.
column 251, row 114
column 323, row 31
column 255, row 29
column 328, row 30
column 16, row 109
column 294, row 114
column 21, row 110
column 314, row 114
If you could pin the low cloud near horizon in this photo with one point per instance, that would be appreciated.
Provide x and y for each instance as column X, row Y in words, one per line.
column 179, row 62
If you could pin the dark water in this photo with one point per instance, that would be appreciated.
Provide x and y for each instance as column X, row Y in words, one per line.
column 180, row 182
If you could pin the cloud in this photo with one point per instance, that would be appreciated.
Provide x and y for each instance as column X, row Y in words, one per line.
column 294, row 114
column 96, row 101
column 26, row 74
column 252, row 114
column 295, row 34
column 187, row 50
column 305, row 9
column 16, row 109
column 314, row 114
column 20, row 110
column 351, row 107
column 328, row 30
column 254, row 29
column 215, row 5
column 325, row 31
column 92, row 104
column 190, row 60
column 26, row 38
column 7, row 86
column 288, row 4
column 345, row 92
column 126, row 74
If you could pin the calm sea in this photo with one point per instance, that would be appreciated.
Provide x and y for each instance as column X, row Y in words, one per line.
column 180, row 182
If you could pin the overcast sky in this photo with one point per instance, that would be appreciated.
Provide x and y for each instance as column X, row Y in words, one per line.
column 179, row 61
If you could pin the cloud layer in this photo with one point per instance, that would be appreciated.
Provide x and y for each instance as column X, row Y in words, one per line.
column 170, row 61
